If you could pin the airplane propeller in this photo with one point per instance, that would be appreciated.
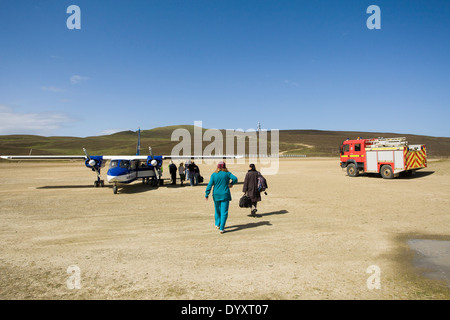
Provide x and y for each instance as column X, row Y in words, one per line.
column 154, row 163
column 95, row 165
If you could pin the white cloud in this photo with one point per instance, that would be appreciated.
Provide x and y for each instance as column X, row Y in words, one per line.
column 40, row 123
column 53, row 89
column 75, row 79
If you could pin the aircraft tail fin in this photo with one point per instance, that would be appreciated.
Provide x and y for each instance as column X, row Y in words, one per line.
column 138, row 148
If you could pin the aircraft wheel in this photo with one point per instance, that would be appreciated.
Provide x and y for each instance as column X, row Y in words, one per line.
column 102, row 183
column 95, row 184
column 115, row 189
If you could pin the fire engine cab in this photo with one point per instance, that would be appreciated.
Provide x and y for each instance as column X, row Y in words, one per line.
column 388, row 156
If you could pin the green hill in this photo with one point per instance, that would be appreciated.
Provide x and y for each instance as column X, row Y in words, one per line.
column 326, row 143
column 302, row 142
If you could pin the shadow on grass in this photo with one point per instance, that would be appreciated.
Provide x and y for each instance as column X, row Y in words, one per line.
column 247, row 226
column 417, row 175
column 271, row 213
column 73, row 187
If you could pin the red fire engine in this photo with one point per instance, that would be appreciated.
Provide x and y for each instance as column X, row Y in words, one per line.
column 388, row 156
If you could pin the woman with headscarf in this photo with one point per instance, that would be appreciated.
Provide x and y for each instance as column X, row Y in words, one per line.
column 222, row 180
column 251, row 188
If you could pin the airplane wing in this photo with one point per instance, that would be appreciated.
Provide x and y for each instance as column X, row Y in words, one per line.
column 114, row 157
column 203, row 157
column 43, row 157
column 125, row 157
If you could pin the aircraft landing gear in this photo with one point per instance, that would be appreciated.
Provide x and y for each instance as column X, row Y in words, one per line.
column 154, row 182
column 99, row 183
column 115, row 188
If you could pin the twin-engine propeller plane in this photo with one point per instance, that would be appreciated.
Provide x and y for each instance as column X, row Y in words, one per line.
column 122, row 169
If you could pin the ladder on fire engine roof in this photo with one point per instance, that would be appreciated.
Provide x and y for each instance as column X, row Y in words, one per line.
column 388, row 142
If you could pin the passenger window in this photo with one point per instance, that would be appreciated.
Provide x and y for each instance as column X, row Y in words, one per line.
column 125, row 164
column 357, row 147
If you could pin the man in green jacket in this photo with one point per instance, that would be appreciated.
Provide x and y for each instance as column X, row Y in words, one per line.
column 220, row 179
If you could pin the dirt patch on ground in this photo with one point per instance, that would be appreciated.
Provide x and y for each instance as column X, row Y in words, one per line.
column 317, row 233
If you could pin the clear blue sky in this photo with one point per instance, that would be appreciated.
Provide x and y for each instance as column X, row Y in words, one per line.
column 288, row 64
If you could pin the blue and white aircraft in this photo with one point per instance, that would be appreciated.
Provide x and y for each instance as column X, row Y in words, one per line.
column 122, row 169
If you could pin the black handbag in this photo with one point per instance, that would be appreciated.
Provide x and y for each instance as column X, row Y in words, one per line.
column 245, row 202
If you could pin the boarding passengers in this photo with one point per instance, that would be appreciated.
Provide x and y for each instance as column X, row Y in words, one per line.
column 181, row 172
column 222, row 180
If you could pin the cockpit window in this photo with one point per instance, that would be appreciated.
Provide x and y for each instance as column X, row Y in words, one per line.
column 113, row 163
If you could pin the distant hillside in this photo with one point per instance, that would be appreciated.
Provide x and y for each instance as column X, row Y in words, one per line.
column 307, row 142
column 326, row 143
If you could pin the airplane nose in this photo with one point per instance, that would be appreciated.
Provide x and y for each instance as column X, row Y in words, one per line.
column 111, row 178
column 113, row 174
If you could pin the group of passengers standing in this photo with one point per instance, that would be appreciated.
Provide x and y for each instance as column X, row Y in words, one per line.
column 190, row 171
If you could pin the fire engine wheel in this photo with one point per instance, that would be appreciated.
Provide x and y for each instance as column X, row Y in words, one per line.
column 386, row 172
column 352, row 171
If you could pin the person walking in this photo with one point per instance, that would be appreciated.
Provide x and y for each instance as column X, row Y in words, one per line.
column 181, row 172
column 222, row 180
column 251, row 188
